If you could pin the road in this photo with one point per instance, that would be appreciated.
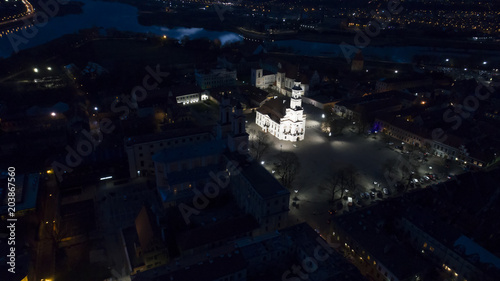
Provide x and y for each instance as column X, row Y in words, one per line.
column 29, row 13
column 46, row 247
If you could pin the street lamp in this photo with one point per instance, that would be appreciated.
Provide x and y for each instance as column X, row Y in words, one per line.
column 262, row 162
column 322, row 115
column 53, row 114
column 49, row 68
column 35, row 70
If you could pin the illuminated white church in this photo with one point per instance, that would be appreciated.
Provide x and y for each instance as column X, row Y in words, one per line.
column 282, row 119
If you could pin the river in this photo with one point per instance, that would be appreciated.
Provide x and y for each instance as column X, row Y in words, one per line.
column 124, row 17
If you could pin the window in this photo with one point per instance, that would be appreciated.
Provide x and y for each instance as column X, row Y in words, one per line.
column 425, row 245
column 431, row 248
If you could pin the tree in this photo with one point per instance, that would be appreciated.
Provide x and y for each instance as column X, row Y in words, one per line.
column 362, row 120
column 337, row 125
column 343, row 180
column 259, row 144
column 389, row 167
column 287, row 168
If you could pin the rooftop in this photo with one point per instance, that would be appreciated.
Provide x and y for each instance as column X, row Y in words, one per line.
column 262, row 181
column 275, row 108
column 170, row 134
column 217, row 231
column 202, row 149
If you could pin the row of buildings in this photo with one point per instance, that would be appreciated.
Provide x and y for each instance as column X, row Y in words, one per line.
column 447, row 231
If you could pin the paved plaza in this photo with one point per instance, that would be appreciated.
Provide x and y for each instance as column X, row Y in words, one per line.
column 322, row 156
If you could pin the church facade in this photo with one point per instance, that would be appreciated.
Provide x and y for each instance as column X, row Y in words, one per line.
column 284, row 117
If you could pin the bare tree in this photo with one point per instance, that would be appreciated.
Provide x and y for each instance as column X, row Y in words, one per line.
column 259, row 144
column 335, row 124
column 287, row 167
column 340, row 182
column 389, row 166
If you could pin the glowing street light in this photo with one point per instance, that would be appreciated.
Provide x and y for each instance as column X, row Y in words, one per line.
column 35, row 70
column 49, row 68
column 447, row 60
column 95, row 108
column 262, row 162
column 53, row 114
column 322, row 115
column 484, row 62
column 395, row 71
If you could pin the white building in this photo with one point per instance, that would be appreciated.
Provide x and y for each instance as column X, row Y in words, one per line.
column 282, row 78
column 214, row 78
column 187, row 94
column 282, row 121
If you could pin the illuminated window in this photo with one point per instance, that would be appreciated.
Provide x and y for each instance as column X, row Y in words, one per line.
column 425, row 245
column 431, row 248
column 368, row 257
